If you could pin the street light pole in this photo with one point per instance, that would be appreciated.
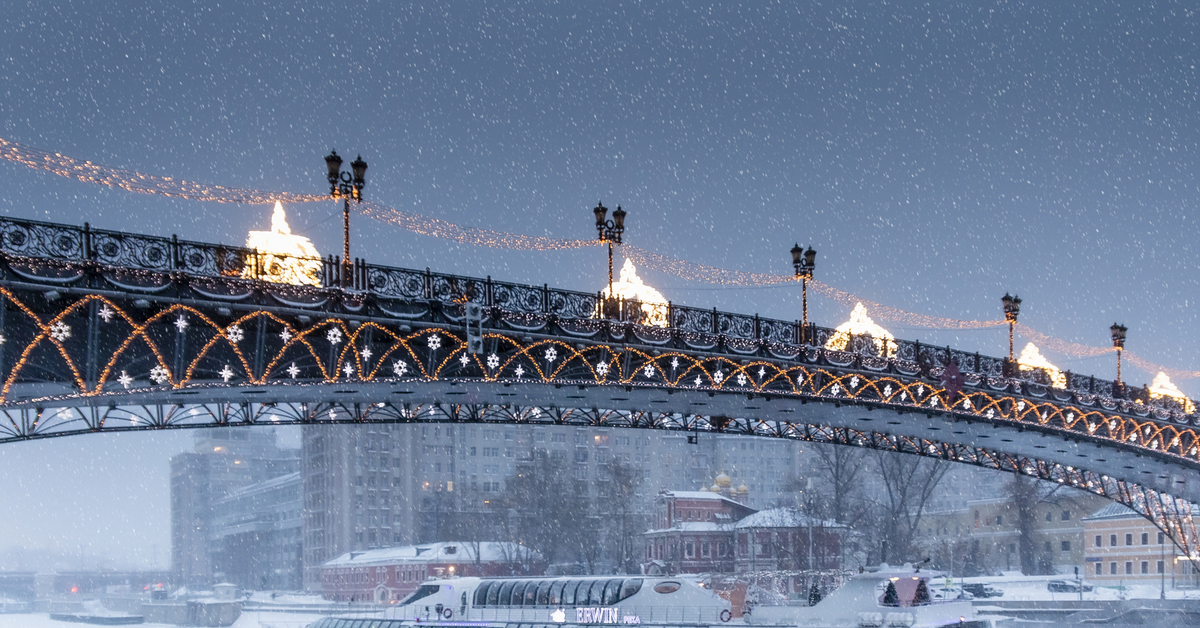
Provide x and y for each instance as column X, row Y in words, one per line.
column 345, row 185
column 1118, row 337
column 1012, row 308
column 803, row 262
column 609, row 231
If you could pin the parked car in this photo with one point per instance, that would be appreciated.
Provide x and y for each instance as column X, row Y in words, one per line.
column 953, row 593
column 1067, row 586
column 981, row 591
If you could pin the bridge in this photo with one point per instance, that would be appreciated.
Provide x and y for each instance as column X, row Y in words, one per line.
column 104, row 331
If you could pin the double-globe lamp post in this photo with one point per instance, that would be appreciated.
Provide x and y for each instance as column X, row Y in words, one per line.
column 345, row 186
column 609, row 231
column 804, row 262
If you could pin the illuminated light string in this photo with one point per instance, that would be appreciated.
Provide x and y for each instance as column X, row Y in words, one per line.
column 141, row 183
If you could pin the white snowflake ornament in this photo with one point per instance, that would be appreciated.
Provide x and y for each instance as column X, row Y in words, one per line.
column 551, row 355
column 334, row 336
column 648, row 370
column 293, row 370
column 493, row 361
column 181, row 323
column 235, row 333
column 741, row 379
column 464, row 360
column 125, row 380
column 285, row 335
column 60, row 331
column 106, row 313
column 435, row 342
column 158, row 374
column 226, row 373
column 602, row 369
column 400, row 368
column 348, row 369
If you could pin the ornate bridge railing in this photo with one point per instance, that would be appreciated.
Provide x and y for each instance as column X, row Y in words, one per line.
column 71, row 250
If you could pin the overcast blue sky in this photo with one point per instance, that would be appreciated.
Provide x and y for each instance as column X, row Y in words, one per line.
column 936, row 155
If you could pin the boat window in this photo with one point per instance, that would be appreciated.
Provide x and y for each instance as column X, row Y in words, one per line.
column 543, row 593
column 631, row 587
column 518, row 592
column 357, row 624
column 666, row 587
column 531, row 590
column 494, row 594
column 556, row 593
column 376, row 624
column 481, row 592
column 568, row 592
column 505, row 593
column 583, row 597
column 422, row 591
column 612, row 591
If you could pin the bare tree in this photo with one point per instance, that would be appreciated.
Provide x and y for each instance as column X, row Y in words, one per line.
column 909, row 482
column 842, row 469
column 625, row 522
column 545, row 512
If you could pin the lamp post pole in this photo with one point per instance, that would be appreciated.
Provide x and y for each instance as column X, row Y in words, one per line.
column 1118, row 337
column 609, row 231
column 803, row 262
column 345, row 185
column 1012, row 308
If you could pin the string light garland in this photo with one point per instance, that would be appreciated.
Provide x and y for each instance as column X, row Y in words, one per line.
column 132, row 181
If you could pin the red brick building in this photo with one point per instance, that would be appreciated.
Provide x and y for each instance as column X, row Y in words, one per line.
column 693, row 530
column 784, row 539
column 392, row 573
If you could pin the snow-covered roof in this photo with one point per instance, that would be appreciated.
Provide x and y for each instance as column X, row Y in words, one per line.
column 784, row 518
column 446, row 552
column 1120, row 511
column 695, row 495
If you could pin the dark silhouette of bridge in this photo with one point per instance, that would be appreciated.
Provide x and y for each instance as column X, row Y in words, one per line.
column 105, row 331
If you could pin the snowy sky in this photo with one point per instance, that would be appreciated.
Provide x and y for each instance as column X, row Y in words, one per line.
column 936, row 156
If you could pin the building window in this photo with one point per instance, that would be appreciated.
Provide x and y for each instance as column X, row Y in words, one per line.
column 1145, row 538
column 1128, row 568
column 1048, row 550
column 1099, row 543
column 999, row 520
column 1112, row 541
column 1160, row 566
column 1112, row 569
column 1099, row 568
column 1049, row 516
column 1128, row 540
column 1066, row 515
column 1066, row 546
column 688, row 549
column 704, row 550
column 1161, row 538
column 1145, row 567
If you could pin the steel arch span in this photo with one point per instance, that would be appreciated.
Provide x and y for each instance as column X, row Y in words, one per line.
column 107, row 332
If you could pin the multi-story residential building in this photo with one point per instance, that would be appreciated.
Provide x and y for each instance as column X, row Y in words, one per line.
column 1125, row 547
column 256, row 535
column 222, row 460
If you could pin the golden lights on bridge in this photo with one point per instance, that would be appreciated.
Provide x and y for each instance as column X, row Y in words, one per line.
column 860, row 324
column 284, row 257
column 630, row 287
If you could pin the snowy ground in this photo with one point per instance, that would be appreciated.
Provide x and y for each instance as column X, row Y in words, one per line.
column 1033, row 588
column 250, row 619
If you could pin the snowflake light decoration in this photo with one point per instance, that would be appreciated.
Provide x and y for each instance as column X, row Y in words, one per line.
column 400, row 368
column 762, row 372
column 520, row 371
column 435, row 342
column 854, row 382
column 674, row 363
column 698, row 381
column 366, row 353
column 648, row 370
column 235, row 333
column 920, row 390
column 226, row 373
column 293, row 370
column 741, row 379
column 60, row 331
column 967, row 404
column 904, row 396
column 1020, row 406
column 836, row 389
column 181, row 323
column 125, row 380
column 933, row 402
column 106, row 313
column 332, row 414
column 887, row 390
column 493, row 361
column 334, row 336
column 464, row 360
column 3, row 339
column 348, row 369
column 991, row 413
column 285, row 335
column 551, row 355
column 158, row 374
column 718, row 376
column 602, row 369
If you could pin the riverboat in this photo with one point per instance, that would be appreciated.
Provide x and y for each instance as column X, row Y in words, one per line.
column 880, row 599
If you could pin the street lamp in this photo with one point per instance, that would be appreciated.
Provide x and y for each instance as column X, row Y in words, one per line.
column 345, row 186
column 609, row 231
column 804, row 262
column 1012, row 308
column 1118, row 338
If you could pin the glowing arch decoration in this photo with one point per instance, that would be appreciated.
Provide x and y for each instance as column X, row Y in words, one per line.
column 1031, row 360
column 284, row 257
column 860, row 324
column 632, row 288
